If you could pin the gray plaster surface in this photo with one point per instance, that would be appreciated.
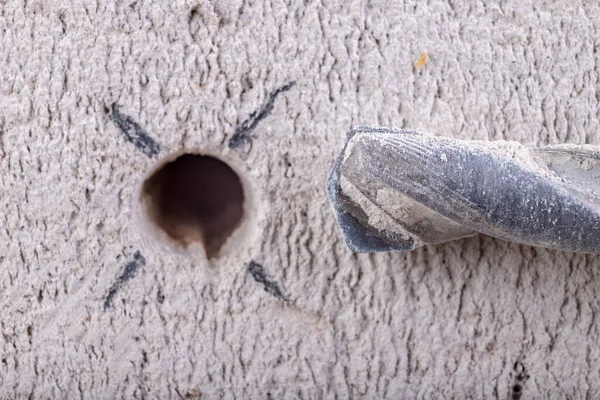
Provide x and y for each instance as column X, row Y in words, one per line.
column 287, row 311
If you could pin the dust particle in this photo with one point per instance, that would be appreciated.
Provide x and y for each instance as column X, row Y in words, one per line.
column 422, row 60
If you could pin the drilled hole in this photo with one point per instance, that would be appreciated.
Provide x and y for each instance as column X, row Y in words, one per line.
column 195, row 199
column 517, row 391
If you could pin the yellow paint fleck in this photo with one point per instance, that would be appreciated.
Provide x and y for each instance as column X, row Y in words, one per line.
column 422, row 60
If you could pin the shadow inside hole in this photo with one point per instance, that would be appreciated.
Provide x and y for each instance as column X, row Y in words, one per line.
column 517, row 391
column 195, row 198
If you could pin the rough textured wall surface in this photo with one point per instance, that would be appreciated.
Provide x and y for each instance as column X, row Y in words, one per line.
column 94, row 94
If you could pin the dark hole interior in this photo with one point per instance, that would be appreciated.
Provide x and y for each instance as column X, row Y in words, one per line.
column 517, row 388
column 196, row 198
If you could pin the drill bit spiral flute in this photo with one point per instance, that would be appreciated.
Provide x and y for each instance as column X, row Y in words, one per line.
column 398, row 190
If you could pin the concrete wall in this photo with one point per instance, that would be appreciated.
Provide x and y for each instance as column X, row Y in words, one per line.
column 95, row 304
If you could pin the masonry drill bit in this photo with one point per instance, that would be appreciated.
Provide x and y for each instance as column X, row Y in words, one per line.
column 398, row 190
